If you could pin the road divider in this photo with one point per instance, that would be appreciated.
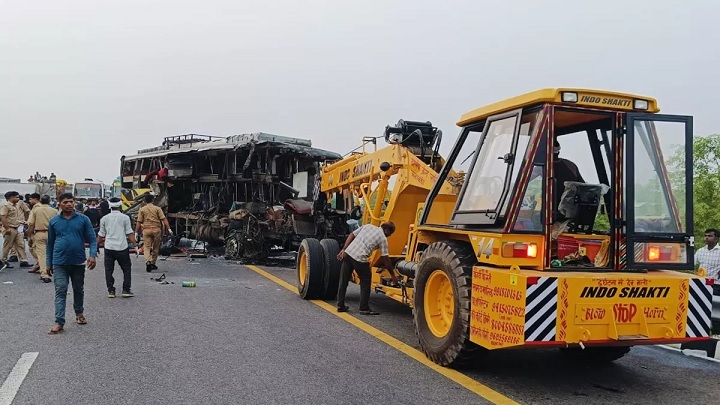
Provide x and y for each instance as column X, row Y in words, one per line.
column 454, row 375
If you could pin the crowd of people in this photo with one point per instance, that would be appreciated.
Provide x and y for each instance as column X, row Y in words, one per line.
column 38, row 178
column 64, row 239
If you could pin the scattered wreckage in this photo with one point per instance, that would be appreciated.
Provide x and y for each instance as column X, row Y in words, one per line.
column 250, row 195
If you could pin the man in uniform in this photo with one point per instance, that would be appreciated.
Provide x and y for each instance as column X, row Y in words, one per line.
column 38, row 223
column 153, row 223
column 33, row 201
column 13, row 215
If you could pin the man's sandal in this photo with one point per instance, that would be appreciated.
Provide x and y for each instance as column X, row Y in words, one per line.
column 55, row 329
column 80, row 319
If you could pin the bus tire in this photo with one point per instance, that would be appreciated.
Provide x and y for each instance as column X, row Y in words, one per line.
column 441, row 304
column 331, row 279
column 309, row 265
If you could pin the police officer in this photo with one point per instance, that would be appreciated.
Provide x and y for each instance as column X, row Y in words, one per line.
column 33, row 201
column 38, row 222
column 13, row 215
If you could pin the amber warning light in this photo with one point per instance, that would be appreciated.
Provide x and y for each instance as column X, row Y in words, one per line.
column 520, row 250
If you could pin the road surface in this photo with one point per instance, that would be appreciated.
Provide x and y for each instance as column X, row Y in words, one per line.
column 240, row 337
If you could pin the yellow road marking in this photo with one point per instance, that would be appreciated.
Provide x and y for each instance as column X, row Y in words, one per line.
column 454, row 375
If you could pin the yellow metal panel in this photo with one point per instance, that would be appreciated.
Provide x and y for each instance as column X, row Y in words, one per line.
column 559, row 308
column 586, row 98
column 497, row 309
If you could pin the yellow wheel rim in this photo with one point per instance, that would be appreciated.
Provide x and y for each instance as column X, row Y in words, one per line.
column 302, row 268
column 439, row 303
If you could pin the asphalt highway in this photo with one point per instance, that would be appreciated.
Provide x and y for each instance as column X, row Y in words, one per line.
column 242, row 337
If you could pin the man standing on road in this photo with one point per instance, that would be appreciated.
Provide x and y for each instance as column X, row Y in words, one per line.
column 355, row 255
column 153, row 223
column 33, row 200
column 708, row 257
column 13, row 214
column 67, row 234
column 115, row 230
column 38, row 225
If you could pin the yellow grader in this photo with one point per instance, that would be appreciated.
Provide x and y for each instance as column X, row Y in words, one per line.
column 560, row 218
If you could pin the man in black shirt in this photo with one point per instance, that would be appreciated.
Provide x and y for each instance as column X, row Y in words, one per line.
column 104, row 207
column 565, row 170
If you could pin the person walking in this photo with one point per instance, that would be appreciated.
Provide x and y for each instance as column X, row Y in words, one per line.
column 66, row 260
column 708, row 257
column 115, row 230
column 153, row 223
column 13, row 215
column 355, row 256
column 38, row 225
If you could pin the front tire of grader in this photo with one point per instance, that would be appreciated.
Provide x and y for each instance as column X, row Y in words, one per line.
column 309, row 265
column 441, row 304
column 331, row 276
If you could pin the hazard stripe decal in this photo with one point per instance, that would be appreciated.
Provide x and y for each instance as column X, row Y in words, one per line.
column 699, row 309
column 541, row 310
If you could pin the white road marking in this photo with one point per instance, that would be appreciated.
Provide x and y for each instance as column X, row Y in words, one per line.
column 13, row 381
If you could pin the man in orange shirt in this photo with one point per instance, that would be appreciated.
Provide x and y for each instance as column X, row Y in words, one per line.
column 153, row 223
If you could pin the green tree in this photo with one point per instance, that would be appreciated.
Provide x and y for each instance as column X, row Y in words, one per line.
column 706, row 183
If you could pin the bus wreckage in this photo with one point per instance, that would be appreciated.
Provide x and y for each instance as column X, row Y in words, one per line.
column 251, row 194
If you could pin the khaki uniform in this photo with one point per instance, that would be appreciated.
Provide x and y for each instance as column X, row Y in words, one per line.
column 151, row 217
column 12, row 239
column 40, row 217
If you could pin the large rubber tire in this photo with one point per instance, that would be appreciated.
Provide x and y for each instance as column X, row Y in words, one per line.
column 310, row 263
column 233, row 245
column 331, row 279
column 596, row 355
column 454, row 260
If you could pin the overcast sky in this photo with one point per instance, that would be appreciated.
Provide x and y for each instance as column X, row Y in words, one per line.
column 84, row 82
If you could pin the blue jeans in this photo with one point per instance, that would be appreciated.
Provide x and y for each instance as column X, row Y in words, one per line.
column 63, row 275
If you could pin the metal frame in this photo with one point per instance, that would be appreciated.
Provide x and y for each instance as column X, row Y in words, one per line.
column 486, row 217
column 632, row 235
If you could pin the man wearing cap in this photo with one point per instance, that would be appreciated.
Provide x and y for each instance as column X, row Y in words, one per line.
column 115, row 230
column 32, row 200
column 13, row 215
column 153, row 223
column 38, row 223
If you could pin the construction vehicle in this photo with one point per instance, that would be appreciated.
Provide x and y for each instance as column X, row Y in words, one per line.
column 592, row 257
column 402, row 173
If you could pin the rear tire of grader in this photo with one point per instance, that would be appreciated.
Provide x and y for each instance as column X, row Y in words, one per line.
column 441, row 304
column 331, row 276
column 309, row 265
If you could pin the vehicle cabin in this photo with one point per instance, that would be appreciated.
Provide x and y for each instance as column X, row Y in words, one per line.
column 569, row 178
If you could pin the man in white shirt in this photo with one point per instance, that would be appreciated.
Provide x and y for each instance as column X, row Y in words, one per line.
column 115, row 230
column 708, row 257
column 355, row 255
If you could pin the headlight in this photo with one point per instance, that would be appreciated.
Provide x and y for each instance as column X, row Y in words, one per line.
column 569, row 97
column 640, row 104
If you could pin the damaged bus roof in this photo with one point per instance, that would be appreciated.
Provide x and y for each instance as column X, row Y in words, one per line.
column 202, row 143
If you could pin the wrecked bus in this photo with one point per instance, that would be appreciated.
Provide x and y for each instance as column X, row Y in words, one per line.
column 248, row 195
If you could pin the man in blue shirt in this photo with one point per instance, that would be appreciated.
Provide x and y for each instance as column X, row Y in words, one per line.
column 67, row 234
